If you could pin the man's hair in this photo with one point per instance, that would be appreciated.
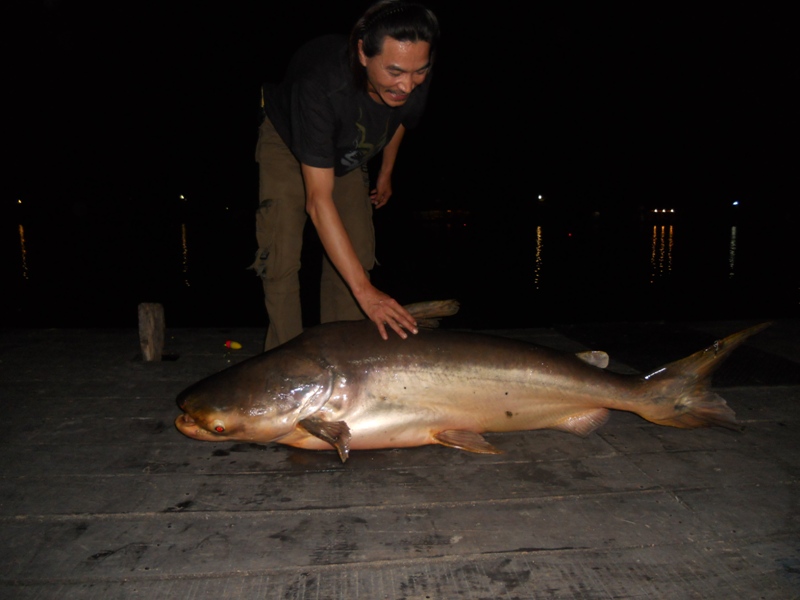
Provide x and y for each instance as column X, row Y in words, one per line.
column 403, row 21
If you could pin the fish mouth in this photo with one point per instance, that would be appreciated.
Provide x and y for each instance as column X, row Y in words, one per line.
column 188, row 427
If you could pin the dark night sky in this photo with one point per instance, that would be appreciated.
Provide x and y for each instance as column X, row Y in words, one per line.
column 617, row 101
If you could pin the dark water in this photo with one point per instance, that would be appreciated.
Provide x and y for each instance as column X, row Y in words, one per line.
column 91, row 267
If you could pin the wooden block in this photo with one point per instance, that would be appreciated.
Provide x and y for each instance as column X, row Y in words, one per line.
column 151, row 330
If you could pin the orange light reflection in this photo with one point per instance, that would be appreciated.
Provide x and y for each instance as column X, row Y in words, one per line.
column 661, row 252
column 185, row 255
column 537, row 264
column 23, row 252
column 732, row 252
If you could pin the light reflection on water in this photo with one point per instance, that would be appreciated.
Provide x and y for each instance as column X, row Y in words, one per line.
column 538, row 260
column 661, row 251
column 23, row 252
column 184, row 255
column 660, row 259
column 199, row 270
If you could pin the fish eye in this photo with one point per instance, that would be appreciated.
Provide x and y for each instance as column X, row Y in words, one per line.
column 218, row 426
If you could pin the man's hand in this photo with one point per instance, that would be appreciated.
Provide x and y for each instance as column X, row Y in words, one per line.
column 380, row 308
column 383, row 184
column 382, row 192
column 384, row 310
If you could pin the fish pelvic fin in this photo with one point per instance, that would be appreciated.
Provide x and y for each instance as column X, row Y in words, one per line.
column 680, row 390
column 465, row 440
column 336, row 433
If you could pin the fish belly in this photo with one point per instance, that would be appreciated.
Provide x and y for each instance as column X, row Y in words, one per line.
column 405, row 411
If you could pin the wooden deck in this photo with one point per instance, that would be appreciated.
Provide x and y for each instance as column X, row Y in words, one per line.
column 101, row 497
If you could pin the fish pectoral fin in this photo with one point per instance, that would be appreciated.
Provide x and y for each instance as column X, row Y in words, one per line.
column 465, row 440
column 584, row 423
column 596, row 358
column 336, row 433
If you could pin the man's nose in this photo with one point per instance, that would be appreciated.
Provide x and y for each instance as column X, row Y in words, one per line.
column 406, row 84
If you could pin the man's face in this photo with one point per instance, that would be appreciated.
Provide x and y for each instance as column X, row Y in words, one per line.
column 394, row 73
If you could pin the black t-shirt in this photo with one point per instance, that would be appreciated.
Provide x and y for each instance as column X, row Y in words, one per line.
column 323, row 119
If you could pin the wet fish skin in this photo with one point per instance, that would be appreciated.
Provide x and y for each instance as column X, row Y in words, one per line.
column 341, row 386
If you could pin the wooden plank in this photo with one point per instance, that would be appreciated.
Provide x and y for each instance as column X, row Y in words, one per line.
column 717, row 469
column 165, row 449
column 737, row 518
column 172, row 488
column 152, row 329
column 686, row 570
column 223, row 543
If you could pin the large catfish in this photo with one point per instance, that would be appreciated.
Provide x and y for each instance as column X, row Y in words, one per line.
column 340, row 385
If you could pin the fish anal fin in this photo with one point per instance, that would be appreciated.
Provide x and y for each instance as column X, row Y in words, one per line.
column 596, row 358
column 336, row 433
column 584, row 423
column 465, row 440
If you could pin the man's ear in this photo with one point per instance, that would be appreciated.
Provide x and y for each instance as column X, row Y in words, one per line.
column 362, row 58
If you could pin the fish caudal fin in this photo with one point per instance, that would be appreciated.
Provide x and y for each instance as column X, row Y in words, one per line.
column 702, row 410
column 680, row 392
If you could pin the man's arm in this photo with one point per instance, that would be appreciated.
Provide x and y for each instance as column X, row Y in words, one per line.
column 383, row 188
column 379, row 307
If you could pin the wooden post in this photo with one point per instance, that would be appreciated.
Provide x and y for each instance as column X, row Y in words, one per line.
column 151, row 330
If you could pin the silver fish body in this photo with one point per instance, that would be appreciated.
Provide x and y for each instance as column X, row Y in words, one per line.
column 340, row 385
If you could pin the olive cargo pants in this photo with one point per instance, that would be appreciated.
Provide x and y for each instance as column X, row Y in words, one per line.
column 280, row 219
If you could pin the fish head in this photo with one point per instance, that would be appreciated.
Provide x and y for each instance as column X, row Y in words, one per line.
column 260, row 400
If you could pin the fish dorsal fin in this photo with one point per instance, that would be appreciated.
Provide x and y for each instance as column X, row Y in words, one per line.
column 336, row 433
column 428, row 314
column 584, row 423
column 465, row 440
column 596, row 358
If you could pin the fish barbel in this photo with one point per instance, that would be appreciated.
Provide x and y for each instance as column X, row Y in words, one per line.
column 341, row 386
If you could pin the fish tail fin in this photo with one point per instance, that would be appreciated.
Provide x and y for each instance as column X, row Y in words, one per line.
column 679, row 392
column 695, row 410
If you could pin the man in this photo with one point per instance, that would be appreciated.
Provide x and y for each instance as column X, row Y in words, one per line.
column 341, row 103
